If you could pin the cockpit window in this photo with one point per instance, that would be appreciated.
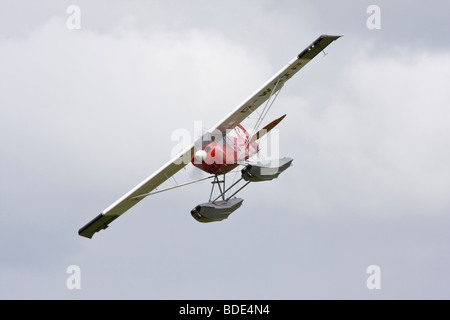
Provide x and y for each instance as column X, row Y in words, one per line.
column 207, row 149
column 228, row 141
column 205, row 143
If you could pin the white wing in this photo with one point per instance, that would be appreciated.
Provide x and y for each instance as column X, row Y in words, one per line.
column 274, row 84
column 129, row 199
column 229, row 122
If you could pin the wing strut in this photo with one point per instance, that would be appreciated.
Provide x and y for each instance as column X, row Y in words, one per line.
column 167, row 189
column 274, row 93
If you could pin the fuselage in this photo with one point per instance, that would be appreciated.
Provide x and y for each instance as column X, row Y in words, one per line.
column 223, row 156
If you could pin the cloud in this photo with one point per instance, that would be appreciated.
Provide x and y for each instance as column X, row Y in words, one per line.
column 108, row 96
column 379, row 146
column 84, row 116
column 87, row 115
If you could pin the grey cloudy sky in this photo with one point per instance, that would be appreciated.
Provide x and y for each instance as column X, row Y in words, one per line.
column 87, row 114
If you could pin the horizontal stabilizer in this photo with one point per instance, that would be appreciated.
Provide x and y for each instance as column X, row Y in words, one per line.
column 266, row 129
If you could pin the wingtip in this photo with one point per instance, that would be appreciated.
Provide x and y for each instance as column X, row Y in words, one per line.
column 92, row 227
column 330, row 36
column 84, row 235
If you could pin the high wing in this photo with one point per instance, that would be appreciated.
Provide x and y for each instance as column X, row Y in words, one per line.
column 274, row 84
column 131, row 198
column 241, row 112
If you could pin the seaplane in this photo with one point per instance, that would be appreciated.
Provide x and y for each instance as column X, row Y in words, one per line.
column 220, row 150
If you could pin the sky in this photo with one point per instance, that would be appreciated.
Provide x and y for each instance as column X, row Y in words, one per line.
column 88, row 113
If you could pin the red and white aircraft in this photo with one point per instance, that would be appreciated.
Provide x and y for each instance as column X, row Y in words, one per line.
column 220, row 150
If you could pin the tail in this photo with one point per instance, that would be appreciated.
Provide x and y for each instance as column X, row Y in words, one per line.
column 266, row 129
